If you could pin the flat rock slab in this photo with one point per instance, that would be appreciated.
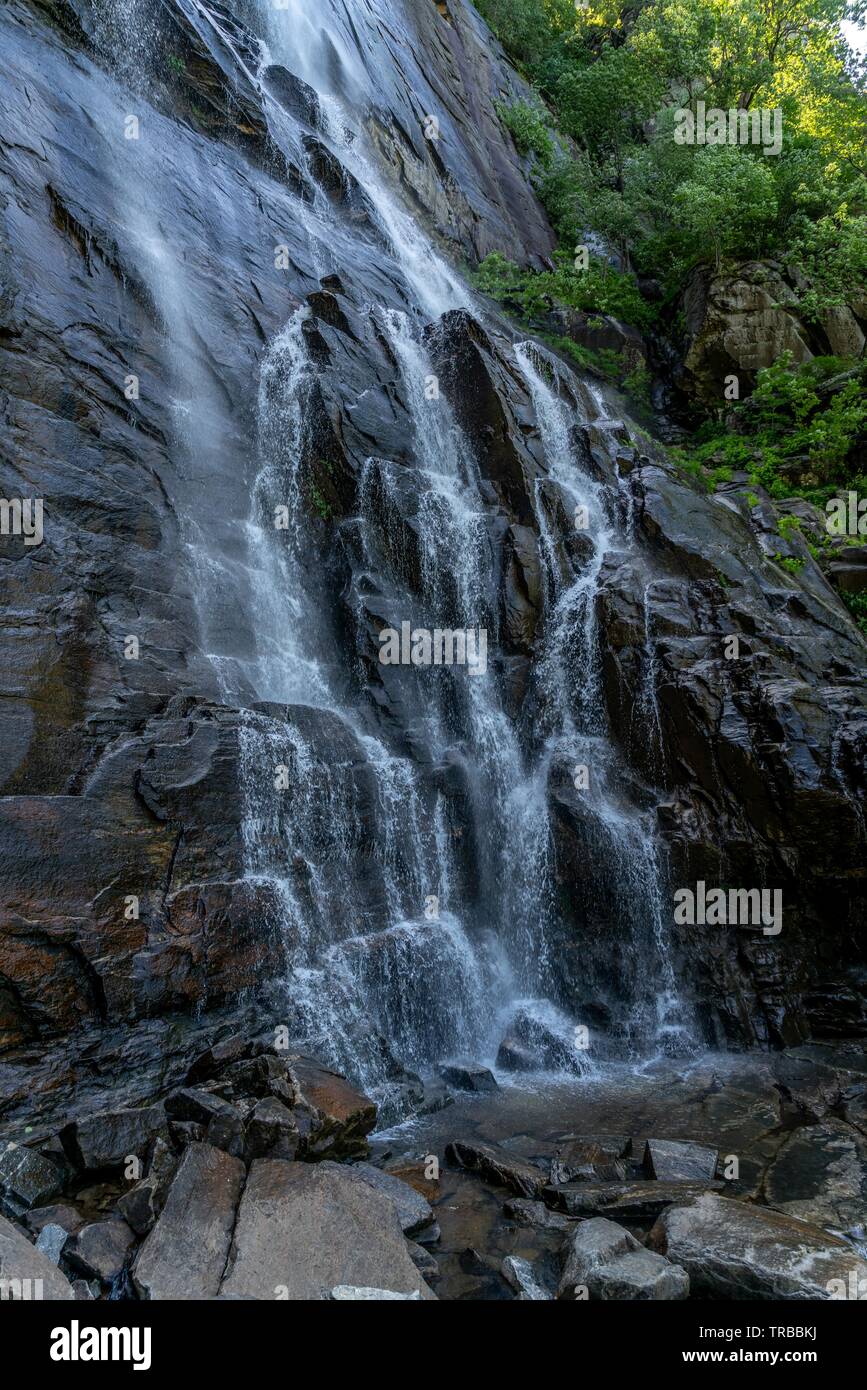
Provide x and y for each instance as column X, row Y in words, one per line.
column 629, row 1200
column 26, row 1272
column 675, row 1160
column 305, row 1229
column 185, row 1254
column 414, row 1212
column 820, row 1176
column 736, row 1250
column 498, row 1165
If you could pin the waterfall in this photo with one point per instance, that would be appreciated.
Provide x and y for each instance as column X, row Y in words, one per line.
column 396, row 947
column 570, row 677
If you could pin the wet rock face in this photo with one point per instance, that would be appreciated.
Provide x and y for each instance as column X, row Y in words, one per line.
column 121, row 846
column 740, row 1251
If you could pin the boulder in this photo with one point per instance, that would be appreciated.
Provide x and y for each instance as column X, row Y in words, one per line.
column 107, row 1139
column 638, row 1275
column 26, row 1178
column 304, row 1229
column 344, row 1115
column 670, row 1160
column 528, row 1213
column 588, row 1246
column 271, row 1124
column 497, row 1165
column 188, row 1103
column 414, row 1212
column 26, row 1272
column 51, row 1240
column 215, row 1059
column 185, row 1254
column 520, row 1275
column 820, row 1175
column 735, row 1250
column 469, row 1077
column 424, row 1261
column 592, row 1158
column 99, row 1250
column 533, row 1045
column 59, row 1214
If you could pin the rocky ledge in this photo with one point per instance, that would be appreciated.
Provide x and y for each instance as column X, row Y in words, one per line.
column 256, row 1173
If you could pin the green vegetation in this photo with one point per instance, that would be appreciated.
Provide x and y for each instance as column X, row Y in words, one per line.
column 608, row 82
column 599, row 289
column 794, row 435
column 609, row 79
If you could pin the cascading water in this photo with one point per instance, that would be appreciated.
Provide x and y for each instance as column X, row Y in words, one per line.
column 388, row 960
column 569, row 676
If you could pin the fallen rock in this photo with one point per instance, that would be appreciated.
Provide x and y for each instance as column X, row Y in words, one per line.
column 414, row 1212
column 304, row 1229
column 214, row 1060
column 513, row 1056
column 527, row 1213
column 265, row 1075
column 226, row 1131
column 58, row 1214
column 142, row 1204
column 498, row 1165
column 106, row 1140
column 26, row 1178
column 672, row 1160
column 26, row 1272
column 631, row 1200
column 467, row 1077
column 735, row 1250
column 638, row 1275
column 201, row 1107
column 185, row 1254
column 51, row 1240
column 590, row 1245
column 423, row 1261
column 519, row 1275
column 100, row 1249
column 598, row 1158
column 532, row 1045
column 345, row 1116
column 271, row 1124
